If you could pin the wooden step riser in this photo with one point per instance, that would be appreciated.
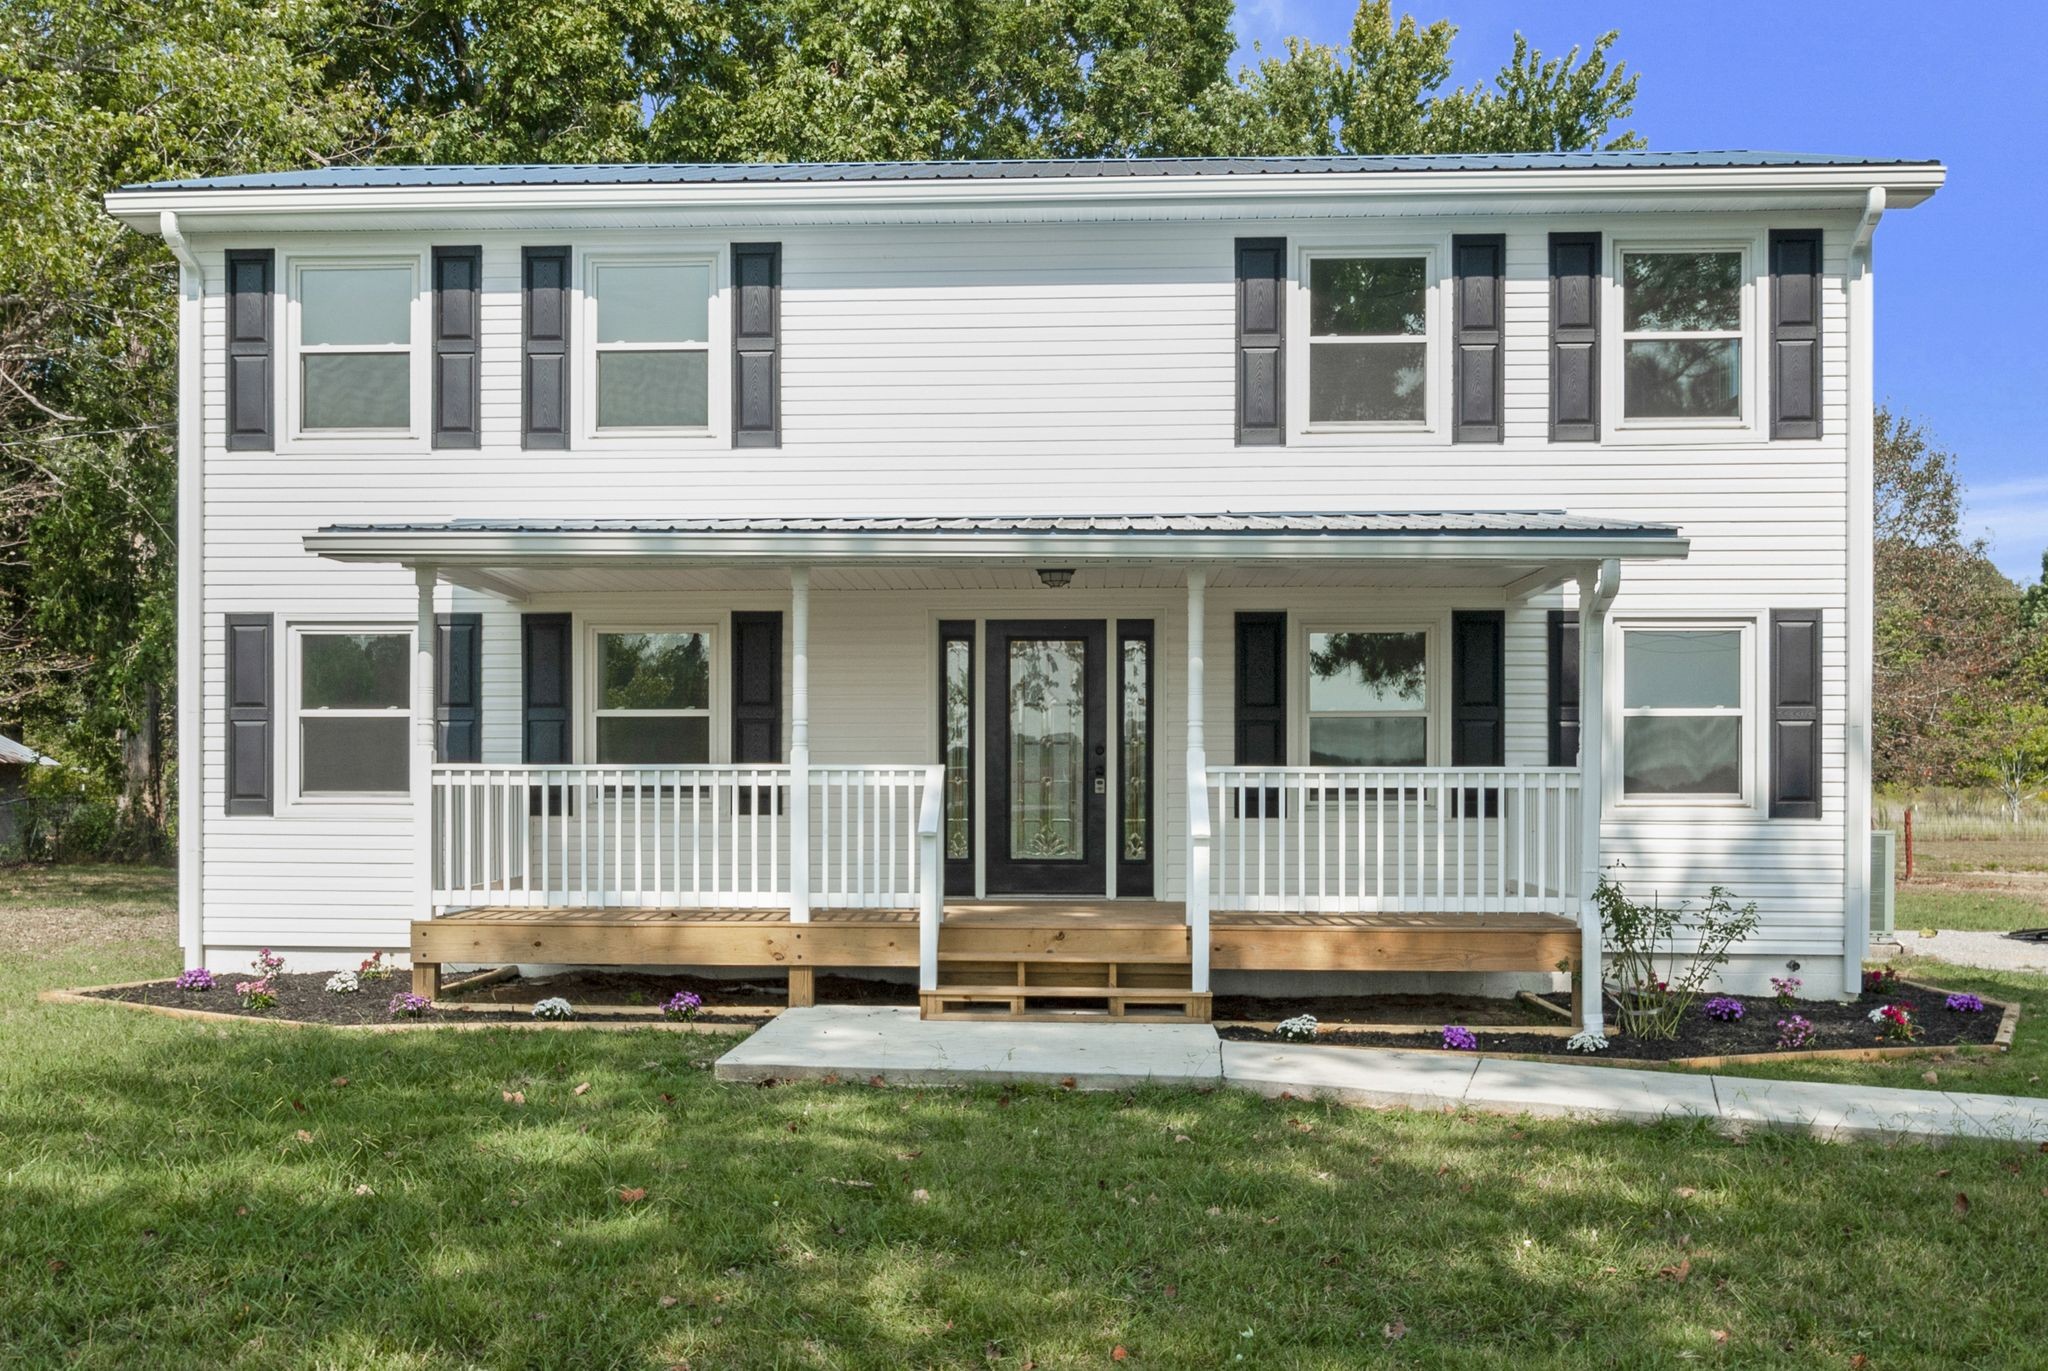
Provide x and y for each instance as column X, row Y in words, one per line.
column 1146, row 976
column 999, row 943
column 1046, row 1005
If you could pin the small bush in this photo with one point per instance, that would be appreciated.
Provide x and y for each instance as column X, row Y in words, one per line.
column 1299, row 1029
column 554, row 1007
column 1726, row 1008
column 1458, row 1038
column 343, row 983
column 409, row 1006
column 1794, row 1032
column 1965, row 1004
column 198, row 978
column 683, row 1005
column 260, row 994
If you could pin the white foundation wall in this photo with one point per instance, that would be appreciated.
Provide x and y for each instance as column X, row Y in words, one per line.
column 998, row 368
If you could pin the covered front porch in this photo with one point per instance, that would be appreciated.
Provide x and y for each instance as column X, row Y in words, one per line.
column 1026, row 844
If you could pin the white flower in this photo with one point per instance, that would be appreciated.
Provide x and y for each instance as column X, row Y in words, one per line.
column 1586, row 1042
column 554, row 1007
column 343, row 983
column 1299, row 1029
column 1877, row 1015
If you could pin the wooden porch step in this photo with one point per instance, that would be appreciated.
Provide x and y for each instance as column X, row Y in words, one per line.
column 1067, row 957
column 1048, row 1002
column 1108, row 943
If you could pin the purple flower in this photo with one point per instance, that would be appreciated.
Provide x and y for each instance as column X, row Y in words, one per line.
column 268, row 963
column 684, row 1004
column 409, row 1006
column 1794, row 1032
column 1965, row 1004
column 1726, row 1008
column 198, row 978
column 1458, row 1038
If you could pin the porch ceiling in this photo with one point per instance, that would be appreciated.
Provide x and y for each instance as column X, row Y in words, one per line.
column 1454, row 549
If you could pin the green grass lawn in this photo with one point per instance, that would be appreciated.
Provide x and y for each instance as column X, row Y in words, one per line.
column 178, row 1194
column 1956, row 906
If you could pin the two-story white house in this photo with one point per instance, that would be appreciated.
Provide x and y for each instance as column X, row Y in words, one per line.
column 1075, row 580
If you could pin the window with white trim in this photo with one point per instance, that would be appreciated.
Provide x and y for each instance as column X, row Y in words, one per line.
column 652, row 705
column 1684, row 706
column 353, row 733
column 650, row 332
column 1368, row 339
column 1683, row 318
column 1368, row 697
column 354, row 342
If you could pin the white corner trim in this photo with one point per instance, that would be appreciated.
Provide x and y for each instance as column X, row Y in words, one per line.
column 191, row 673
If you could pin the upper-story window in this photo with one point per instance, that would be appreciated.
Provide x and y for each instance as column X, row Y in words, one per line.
column 1368, row 340
column 355, row 325
column 1683, row 317
column 650, row 331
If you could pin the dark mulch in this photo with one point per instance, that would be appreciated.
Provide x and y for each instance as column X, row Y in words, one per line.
column 1465, row 1009
column 1837, row 1025
column 304, row 996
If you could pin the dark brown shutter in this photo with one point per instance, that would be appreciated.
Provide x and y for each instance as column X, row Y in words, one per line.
column 1478, row 687
column 1795, row 713
column 757, row 686
column 458, row 331
column 1261, row 700
column 1563, row 639
column 458, row 687
column 1574, row 337
column 1795, row 333
column 1479, row 263
column 544, row 422
column 251, row 704
column 756, row 350
column 252, row 340
column 545, row 657
column 1261, row 342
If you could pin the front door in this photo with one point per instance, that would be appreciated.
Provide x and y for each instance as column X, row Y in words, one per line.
column 1048, row 762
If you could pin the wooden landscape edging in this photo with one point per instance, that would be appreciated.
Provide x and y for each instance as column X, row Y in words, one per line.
column 1326, row 1026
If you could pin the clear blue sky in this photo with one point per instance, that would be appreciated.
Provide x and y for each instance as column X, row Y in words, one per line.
column 1962, row 281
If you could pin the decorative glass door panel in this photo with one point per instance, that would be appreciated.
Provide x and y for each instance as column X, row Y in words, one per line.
column 1048, row 762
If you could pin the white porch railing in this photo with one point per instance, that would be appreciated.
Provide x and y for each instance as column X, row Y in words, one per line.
column 1463, row 840
column 689, row 837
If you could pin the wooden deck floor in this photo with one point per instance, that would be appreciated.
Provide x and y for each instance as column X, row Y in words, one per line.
column 1021, row 914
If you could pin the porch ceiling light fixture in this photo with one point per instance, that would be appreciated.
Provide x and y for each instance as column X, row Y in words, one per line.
column 1056, row 577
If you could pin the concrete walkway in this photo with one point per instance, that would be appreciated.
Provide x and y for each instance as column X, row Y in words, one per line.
column 859, row 1043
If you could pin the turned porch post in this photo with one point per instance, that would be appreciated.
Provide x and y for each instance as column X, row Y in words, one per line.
column 1596, row 593
column 1197, row 893
column 799, row 745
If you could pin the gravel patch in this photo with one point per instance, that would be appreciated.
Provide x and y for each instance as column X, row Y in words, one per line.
column 1985, row 950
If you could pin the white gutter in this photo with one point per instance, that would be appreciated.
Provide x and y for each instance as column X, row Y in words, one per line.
column 1861, row 593
column 337, row 206
column 480, row 548
column 191, row 604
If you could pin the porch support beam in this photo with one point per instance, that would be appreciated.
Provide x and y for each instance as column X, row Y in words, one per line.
column 1536, row 582
column 1597, row 587
column 1198, row 789
column 799, row 749
column 424, row 579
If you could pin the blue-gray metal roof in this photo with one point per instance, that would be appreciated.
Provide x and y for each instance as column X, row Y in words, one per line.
column 1446, row 522
column 710, row 173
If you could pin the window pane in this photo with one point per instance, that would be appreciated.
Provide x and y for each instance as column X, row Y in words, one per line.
column 1376, row 672
column 354, row 306
column 1682, row 669
column 1367, row 383
column 1367, row 295
column 654, row 739
column 653, row 389
column 653, row 671
column 1368, row 742
column 1681, row 292
column 1136, row 757
column 354, row 670
column 654, row 303
column 357, row 390
column 1682, row 378
column 959, row 711
column 1676, row 755
column 1046, row 741
column 353, row 756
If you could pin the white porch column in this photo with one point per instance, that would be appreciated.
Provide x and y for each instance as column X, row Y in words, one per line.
column 1198, row 790
column 423, row 744
column 1596, row 593
column 799, row 744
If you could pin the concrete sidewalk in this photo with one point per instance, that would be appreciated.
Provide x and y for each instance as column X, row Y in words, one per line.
column 857, row 1043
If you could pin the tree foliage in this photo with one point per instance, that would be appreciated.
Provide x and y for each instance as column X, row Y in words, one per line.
column 98, row 93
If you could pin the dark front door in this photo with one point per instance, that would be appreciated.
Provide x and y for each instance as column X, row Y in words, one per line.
column 1048, row 758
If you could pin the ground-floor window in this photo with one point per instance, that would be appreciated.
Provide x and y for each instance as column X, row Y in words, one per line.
column 1368, row 697
column 1684, row 698
column 353, row 692
column 652, row 703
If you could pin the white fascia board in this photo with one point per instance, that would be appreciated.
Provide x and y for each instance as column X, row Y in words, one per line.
column 1602, row 190
column 458, row 547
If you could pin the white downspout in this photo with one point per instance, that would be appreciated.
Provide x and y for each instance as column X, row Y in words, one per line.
column 1861, row 595
column 1596, row 592
column 191, row 678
